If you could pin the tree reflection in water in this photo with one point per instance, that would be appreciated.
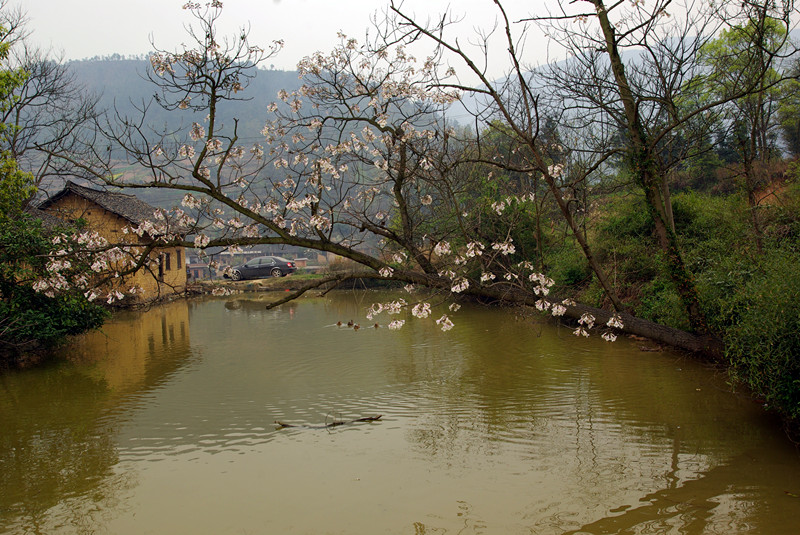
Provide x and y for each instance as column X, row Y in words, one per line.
column 58, row 443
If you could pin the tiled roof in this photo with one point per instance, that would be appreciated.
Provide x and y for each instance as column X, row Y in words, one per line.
column 49, row 221
column 126, row 206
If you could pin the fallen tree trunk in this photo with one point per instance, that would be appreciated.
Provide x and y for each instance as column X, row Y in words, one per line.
column 707, row 344
column 335, row 423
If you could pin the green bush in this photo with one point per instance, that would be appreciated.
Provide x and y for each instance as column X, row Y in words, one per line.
column 700, row 218
column 763, row 334
column 626, row 217
column 30, row 320
column 567, row 266
column 660, row 302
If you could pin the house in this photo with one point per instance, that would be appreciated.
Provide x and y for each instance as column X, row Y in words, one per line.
column 109, row 214
column 198, row 271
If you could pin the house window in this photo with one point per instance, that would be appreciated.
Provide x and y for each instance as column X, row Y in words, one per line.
column 167, row 266
column 178, row 258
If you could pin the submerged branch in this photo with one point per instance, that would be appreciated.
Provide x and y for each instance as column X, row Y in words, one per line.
column 335, row 423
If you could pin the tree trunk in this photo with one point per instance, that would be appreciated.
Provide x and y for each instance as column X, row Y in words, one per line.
column 706, row 344
column 752, row 203
column 581, row 239
column 648, row 175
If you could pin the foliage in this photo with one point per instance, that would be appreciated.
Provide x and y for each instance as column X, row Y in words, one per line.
column 29, row 319
column 789, row 116
column 16, row 187
column 568, row 267
column 625, row 239
column 763, row 336
column 752, row 300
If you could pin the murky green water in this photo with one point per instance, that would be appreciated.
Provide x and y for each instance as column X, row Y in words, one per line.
column 165, row 424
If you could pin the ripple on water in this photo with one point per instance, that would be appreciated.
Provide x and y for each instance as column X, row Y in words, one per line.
column 495, row 426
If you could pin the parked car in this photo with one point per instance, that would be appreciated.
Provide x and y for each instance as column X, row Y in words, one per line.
column 262, row 267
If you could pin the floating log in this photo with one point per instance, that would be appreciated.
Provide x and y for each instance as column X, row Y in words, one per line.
column 335, row 423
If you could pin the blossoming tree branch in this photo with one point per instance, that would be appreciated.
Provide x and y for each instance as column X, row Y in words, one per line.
column 362, row 161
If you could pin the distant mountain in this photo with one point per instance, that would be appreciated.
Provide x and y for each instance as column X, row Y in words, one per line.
column 122, row 84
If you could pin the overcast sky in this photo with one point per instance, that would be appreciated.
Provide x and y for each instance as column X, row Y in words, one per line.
column 88, row 28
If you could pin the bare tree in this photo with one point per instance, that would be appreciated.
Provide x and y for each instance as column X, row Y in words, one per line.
column 50, row 109
column 515, row 102
column 635, row 69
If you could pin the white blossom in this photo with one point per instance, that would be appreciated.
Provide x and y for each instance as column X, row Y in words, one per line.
column 580, row 331
column 609, row 337
column 505, row 248
column 555, row 170
column 201, row 240
column 395, row 307
column 460, row 285
column 442, row 248
column 197, row 131
column 587, row 320
column 421, row 310
column 445, row 323
column 474, row 249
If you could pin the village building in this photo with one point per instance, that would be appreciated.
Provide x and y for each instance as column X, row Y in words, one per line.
column 110, row 214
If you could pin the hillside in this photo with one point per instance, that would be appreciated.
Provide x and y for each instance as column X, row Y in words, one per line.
column 123, row 86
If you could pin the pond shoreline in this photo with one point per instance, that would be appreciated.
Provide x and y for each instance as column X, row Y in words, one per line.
column 274, row 284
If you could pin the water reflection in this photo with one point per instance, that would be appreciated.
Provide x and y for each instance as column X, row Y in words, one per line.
column 137, row 349
column 58, row 425
column 500, row 425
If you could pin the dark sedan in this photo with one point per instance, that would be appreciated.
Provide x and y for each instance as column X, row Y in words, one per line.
column 262, row 267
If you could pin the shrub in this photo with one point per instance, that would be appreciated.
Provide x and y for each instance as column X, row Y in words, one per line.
column 763, row 336
column 567, row 266
column 659, row 302
column 626, row 217
column 30, row 320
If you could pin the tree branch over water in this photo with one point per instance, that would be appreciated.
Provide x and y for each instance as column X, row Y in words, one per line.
column 364, row 161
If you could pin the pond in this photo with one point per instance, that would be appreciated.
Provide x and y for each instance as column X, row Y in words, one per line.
column 165, row 423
